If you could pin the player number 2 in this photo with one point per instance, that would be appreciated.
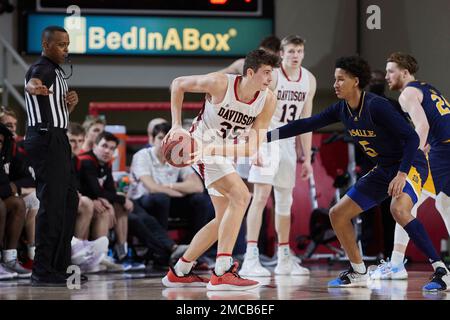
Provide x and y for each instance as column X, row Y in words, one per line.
column 441, row 104
column 292, row 109
column 369, row 151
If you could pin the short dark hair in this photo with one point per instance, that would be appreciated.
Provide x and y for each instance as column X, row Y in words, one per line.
column 404, row 61
column 76, row 129
column 256, row 58
column 292, row 39
column 108, row 136
column 271, row 43
column 356, row 66
column 48, row 32
column 162, row 127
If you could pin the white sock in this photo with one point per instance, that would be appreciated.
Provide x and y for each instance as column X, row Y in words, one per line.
column 359, row 267
column 252, row 250
column 283, row 251
column 9, row 255
column 439, row 264
column 443, row 206
column 31, row 251
column 397, row 258
column 183, row 267
column 223, row 264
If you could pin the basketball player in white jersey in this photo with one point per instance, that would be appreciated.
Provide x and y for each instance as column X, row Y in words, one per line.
column 294, row 87
column 235, row 107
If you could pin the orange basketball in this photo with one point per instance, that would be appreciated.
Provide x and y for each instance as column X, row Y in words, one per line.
column 177, row 150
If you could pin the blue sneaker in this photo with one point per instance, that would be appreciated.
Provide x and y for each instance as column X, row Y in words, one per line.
column 387, row 271
column 350, row 278
column 440, row 281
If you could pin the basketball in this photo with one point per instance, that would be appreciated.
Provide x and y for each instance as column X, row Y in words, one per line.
column 177, row 150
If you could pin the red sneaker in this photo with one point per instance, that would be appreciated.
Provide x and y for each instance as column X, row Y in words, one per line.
column 230, row 280
column 171, row 280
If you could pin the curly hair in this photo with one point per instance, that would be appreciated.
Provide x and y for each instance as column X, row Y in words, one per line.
column 356, row 66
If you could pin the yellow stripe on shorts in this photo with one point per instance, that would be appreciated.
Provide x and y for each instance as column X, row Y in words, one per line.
column 415, row 180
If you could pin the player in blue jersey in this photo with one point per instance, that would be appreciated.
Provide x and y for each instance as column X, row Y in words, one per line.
column 400, row 166
column 430, row 113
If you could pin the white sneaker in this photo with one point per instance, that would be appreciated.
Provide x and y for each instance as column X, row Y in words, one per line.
column 251, row 267
column 6, row 274
column 387, row 271
column 350, row 278
column 287, row 266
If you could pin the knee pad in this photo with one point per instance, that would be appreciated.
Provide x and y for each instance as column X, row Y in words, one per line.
column 283, row 201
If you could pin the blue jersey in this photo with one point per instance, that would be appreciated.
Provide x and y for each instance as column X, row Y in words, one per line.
column 380, row 130
column 437, row 110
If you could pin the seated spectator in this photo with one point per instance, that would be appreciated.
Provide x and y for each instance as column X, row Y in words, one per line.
column 97, row 183
column 12, row 223
column 151, row 125
column 163, row 190
column 90, row 223
column 93, row 126
column 25, row 178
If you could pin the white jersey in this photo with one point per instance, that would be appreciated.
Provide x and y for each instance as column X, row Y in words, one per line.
column 291, row 96
column 230, row 119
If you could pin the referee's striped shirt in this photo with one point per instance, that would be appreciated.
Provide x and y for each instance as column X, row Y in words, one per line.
column 51, row 110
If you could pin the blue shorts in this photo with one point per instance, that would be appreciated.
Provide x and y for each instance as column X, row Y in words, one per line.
column 372, row 189
column 439, row 159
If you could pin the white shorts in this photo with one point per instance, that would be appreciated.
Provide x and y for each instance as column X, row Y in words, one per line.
column 243, row 166
column 212, row 169
column 31, row 201
column 279, row 164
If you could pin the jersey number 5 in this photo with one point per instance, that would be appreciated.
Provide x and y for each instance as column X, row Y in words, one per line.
column 441, row 104
column 369, row 151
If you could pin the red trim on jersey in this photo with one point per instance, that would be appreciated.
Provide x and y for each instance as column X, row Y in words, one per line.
column 252, row 241
column 184, row 260
column 236, row 82
column 201, row 166
column 199, row 118
column 286, row 76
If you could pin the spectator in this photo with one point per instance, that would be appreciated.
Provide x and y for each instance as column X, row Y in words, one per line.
column 97, row 183
column 12, row 223
column 93, row 126
column 163, row 190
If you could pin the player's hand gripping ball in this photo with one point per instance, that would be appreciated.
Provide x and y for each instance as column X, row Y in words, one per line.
column 179, row 148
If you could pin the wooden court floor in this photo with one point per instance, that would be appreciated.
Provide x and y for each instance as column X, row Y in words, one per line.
column 147, row 286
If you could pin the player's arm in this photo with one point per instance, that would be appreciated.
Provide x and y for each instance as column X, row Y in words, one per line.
column 386, row 116
column 236, row 67
column 256, row 136
column 214, row 84
column 410, row 100
column 299, row 126
column 306, row 113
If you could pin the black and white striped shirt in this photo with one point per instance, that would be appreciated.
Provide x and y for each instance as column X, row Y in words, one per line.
column 48, row 110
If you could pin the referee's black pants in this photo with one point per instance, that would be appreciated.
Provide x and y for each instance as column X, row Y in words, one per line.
column 50, row 156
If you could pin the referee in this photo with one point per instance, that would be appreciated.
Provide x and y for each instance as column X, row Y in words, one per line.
column 49, row 102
